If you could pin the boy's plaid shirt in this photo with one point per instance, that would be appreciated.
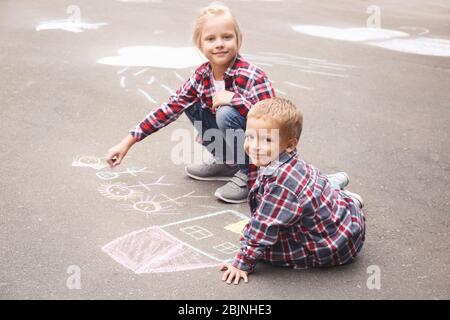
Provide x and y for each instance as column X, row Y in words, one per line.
column 249, row 83
column 297, row 219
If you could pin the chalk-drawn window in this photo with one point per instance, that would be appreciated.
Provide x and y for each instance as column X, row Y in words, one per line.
column 227, row 247
column 197, row 232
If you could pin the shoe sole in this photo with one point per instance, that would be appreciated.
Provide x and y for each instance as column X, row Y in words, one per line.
column 214, row 178
column 217, row 195
column 356, row 197
column 346, row 181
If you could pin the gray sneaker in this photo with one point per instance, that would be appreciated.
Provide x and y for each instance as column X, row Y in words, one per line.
column 235, row 191
column 357, row 199
column 338, row 180
column 211, row 170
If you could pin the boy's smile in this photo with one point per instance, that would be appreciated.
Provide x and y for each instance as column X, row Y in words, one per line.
column 263, row 142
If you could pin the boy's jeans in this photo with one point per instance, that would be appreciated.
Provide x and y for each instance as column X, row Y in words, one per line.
column 229, row 126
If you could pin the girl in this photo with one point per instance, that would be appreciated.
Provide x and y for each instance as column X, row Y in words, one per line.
column 216, row 97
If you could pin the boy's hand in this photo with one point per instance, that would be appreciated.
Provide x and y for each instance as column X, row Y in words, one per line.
column 232, row 273
column 221, row 98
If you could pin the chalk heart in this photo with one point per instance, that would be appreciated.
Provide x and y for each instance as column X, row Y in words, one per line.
column 156, row 56
column 349, row 34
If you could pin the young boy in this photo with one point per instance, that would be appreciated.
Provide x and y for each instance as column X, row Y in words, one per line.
column 298, row 219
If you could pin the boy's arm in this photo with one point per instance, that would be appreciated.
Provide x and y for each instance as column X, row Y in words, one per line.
column 257, row 89
column 167, row 112
column 278, row 208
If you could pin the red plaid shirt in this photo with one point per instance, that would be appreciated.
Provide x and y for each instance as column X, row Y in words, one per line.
column 249, row 83
column 297, row 219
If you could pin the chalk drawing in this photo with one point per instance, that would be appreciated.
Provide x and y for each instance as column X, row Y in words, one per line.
column 156, row 56
column 150, row 206
column 197, row 232
column 111, row 175
column 69, row 25
column 238, row 226
column 118, row 191
column 384, row 38
column 121, row 191
column 90, row 162
column 167, row 248
column 227, row 247
column 320, row 67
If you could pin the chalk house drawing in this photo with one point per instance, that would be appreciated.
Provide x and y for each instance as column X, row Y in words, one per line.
column 415, row 43
column 172, row 247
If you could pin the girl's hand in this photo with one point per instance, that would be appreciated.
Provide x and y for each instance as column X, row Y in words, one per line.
column 117, row 153
column 222, row 98
column 232, row 273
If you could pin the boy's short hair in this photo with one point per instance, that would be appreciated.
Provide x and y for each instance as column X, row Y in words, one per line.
column 288, row 116
column 213, row 10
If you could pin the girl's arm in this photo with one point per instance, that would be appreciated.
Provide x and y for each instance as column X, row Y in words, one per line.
column 168, row 112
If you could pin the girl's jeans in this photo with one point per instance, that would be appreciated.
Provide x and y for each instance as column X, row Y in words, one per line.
column 222, row 134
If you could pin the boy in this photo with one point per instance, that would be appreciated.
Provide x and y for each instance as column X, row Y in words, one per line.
column 298, row 219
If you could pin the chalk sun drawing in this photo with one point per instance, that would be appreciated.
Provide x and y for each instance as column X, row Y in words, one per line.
column 69, row 25
column 150, row 205
column 90, row 162
column 194, row 243
column 384, row 38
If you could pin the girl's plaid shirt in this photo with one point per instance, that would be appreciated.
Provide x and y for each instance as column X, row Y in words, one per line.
column 249, row 83
column 297, row 219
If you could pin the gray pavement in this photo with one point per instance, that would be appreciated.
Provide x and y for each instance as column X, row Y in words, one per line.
column 380, row 115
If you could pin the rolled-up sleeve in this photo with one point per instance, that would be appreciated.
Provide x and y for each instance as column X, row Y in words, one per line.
column 168, row 112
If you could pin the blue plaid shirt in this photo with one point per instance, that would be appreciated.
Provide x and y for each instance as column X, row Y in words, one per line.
column 297, row 219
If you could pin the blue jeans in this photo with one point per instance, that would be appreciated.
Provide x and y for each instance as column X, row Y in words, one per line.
column 229, row 126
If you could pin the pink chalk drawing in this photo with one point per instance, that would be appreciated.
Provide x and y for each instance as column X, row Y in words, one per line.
column 199, row 242
column 150, row 205
column 121, row 191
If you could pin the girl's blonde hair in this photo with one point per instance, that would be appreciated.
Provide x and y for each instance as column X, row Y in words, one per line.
column 213, row 10
column 283, row 112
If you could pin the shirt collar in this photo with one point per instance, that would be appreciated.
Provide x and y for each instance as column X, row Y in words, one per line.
column 275, row 164
column 232, row 69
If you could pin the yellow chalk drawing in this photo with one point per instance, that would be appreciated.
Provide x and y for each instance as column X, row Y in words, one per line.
column 236, row 227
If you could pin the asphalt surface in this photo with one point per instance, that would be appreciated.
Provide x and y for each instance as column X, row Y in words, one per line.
column 380, row 115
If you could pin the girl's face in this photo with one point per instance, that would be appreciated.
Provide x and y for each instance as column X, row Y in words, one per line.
column 218, row 41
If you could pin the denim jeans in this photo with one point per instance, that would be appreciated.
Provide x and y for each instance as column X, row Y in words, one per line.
column 229, row 126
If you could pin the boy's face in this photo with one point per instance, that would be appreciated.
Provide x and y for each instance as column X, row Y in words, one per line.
column 263, row 142
column 218, row 41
